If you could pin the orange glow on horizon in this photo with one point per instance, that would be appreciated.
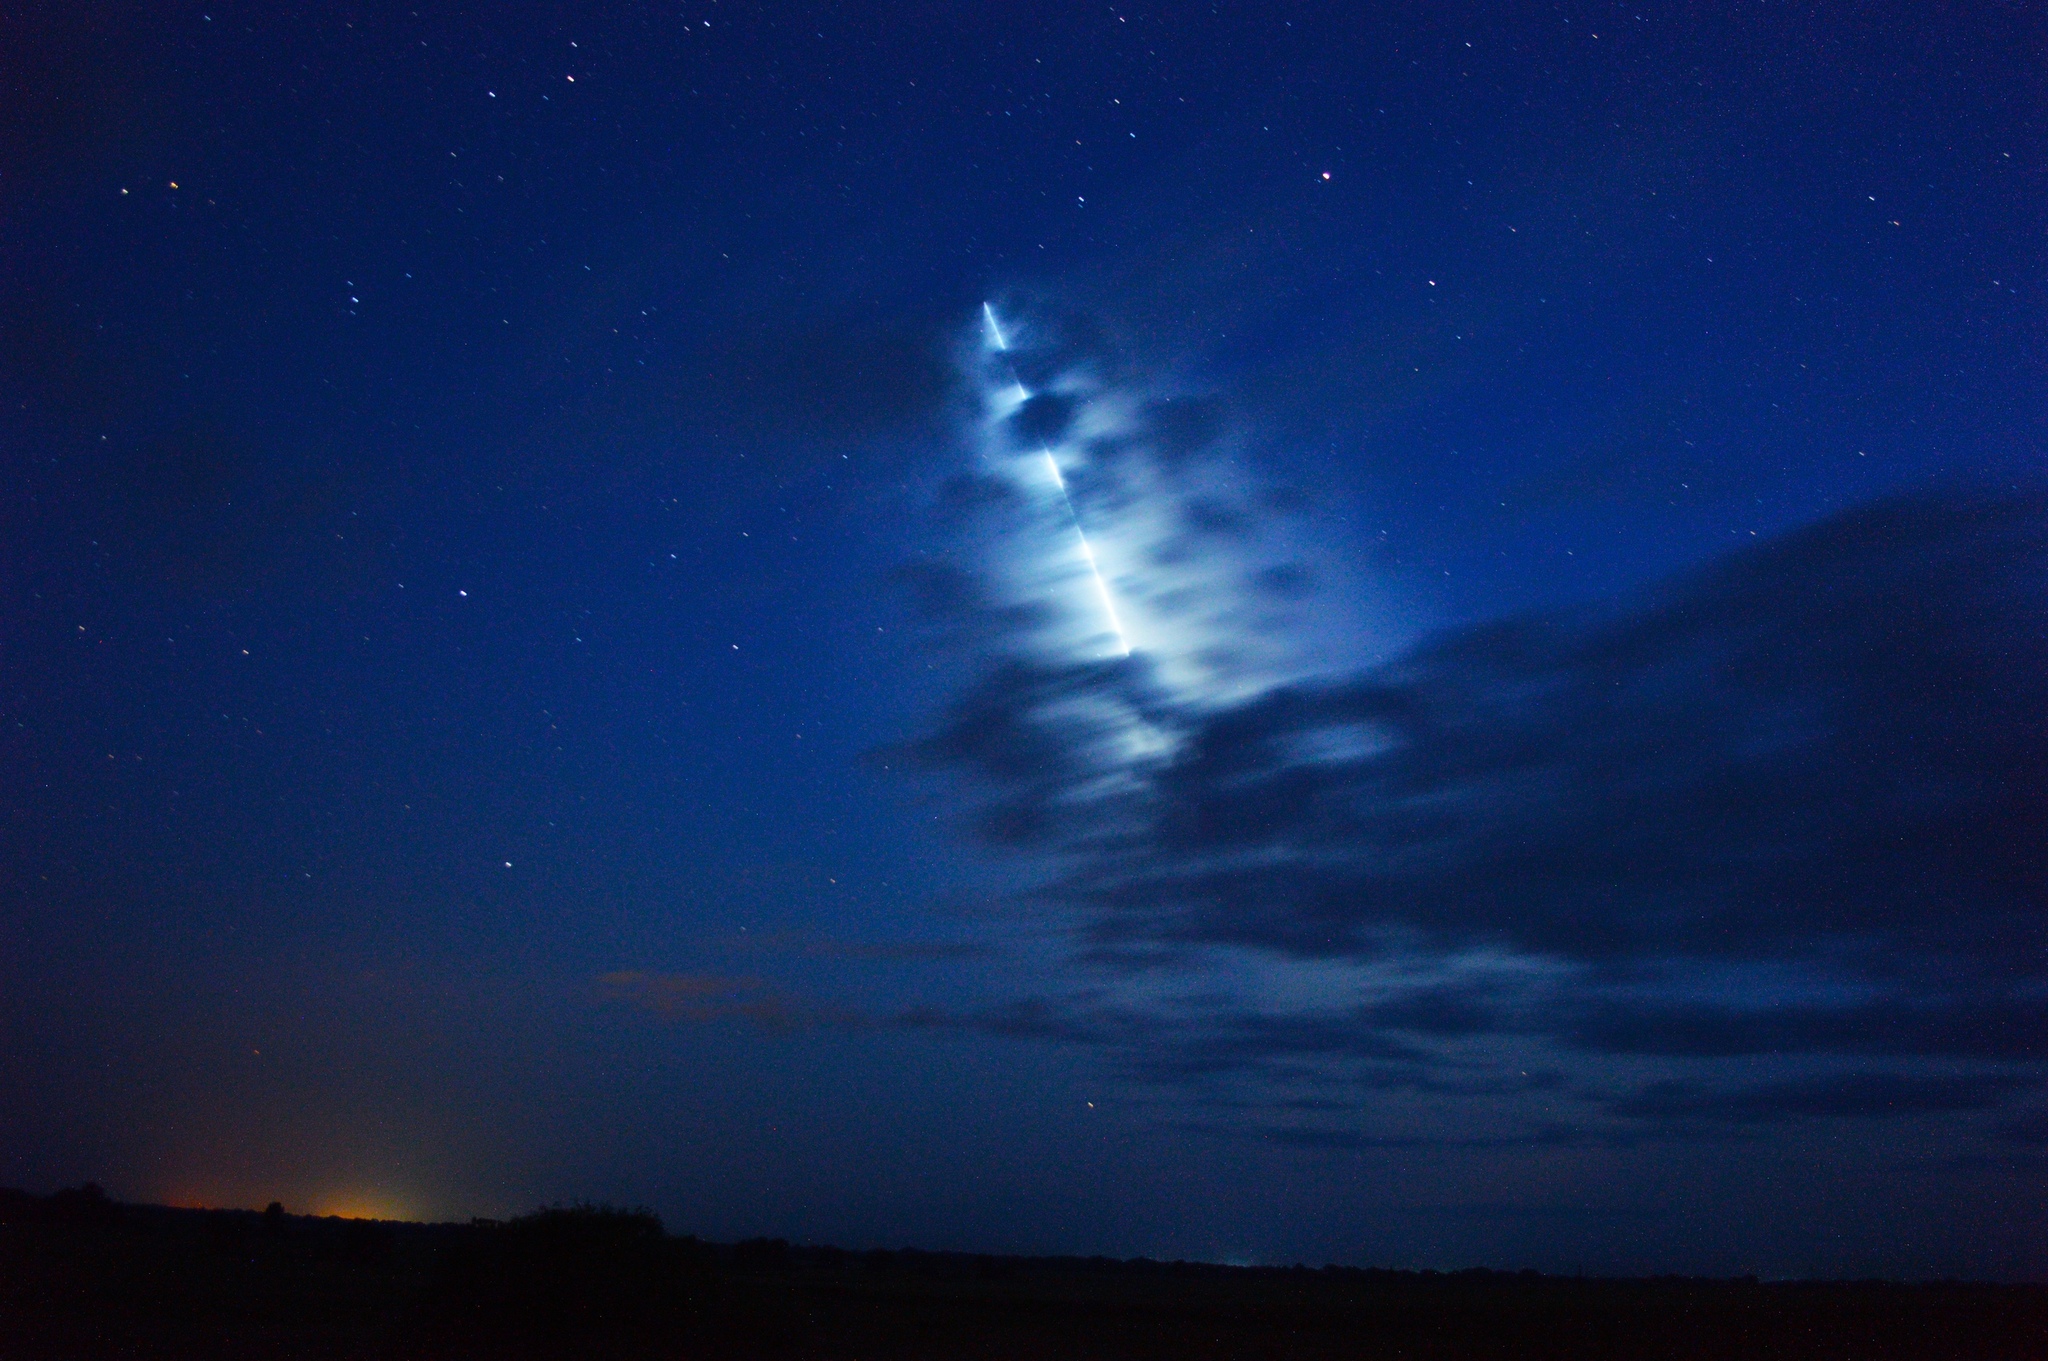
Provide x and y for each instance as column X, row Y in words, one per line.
column 357, row 1205
column 344, row 1204
column 182, row 1200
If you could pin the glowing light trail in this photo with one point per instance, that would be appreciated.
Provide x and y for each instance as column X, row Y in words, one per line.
column 1116, row 625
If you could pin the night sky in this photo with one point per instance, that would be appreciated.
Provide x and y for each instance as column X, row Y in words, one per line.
column 1410, row 637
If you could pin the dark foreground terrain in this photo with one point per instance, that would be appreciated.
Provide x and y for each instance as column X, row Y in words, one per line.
column 82, row 1276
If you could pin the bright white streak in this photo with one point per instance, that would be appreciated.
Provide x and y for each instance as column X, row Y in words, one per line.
column 1101, row 586
column 1116, row 625
column 995, row 332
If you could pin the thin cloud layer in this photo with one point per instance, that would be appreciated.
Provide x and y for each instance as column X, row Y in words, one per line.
column 705, row 997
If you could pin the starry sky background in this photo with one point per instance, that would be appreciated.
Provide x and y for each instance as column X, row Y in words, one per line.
column 518, row 682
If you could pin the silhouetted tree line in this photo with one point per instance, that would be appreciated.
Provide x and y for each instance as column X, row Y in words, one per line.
column 82, row 1275
column 561, row 1270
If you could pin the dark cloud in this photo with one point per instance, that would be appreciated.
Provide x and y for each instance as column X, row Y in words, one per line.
column 1841, row 1095
column 1204, row 515
column 1017, row 727
column 1374, row 1056
column 1902, row 1022
column 1346, row 1140
column 1030, row 1018
column 706, row 997
column 1837, row 735
column 1439, row 1010
column 1219, row 1041
column 881, row 952
column 1786, row 804
column 1288, row 581
column 1044, row 418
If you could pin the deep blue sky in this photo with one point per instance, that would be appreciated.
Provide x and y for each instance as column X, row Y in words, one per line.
column 533, row 664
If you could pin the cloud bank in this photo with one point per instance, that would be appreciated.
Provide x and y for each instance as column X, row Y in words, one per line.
column 1786, row 807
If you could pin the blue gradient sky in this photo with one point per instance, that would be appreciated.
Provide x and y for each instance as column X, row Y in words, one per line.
column 533, row 665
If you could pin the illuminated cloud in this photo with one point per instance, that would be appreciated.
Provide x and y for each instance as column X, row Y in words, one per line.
column 1121, row 568
column 1779, row 809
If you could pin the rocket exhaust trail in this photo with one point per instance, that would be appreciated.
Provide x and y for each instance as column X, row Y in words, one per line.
column 1123, row 642
column 1101, row 586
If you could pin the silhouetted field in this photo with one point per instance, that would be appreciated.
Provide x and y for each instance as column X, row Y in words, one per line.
column 82, row 1276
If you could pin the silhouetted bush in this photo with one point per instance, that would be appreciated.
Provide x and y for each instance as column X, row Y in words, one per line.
column 228, row 1232
column 83, row 1202
column 365, row 1242
column 770, row 1255
column 566, row 1268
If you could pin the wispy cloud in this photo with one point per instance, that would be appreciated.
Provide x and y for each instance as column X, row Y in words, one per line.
column 688, row 997
column 1863, row 1095
column 1785, row 805
column 870, row 951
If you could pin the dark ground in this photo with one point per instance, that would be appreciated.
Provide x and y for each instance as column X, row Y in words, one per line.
column 82, row 1276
